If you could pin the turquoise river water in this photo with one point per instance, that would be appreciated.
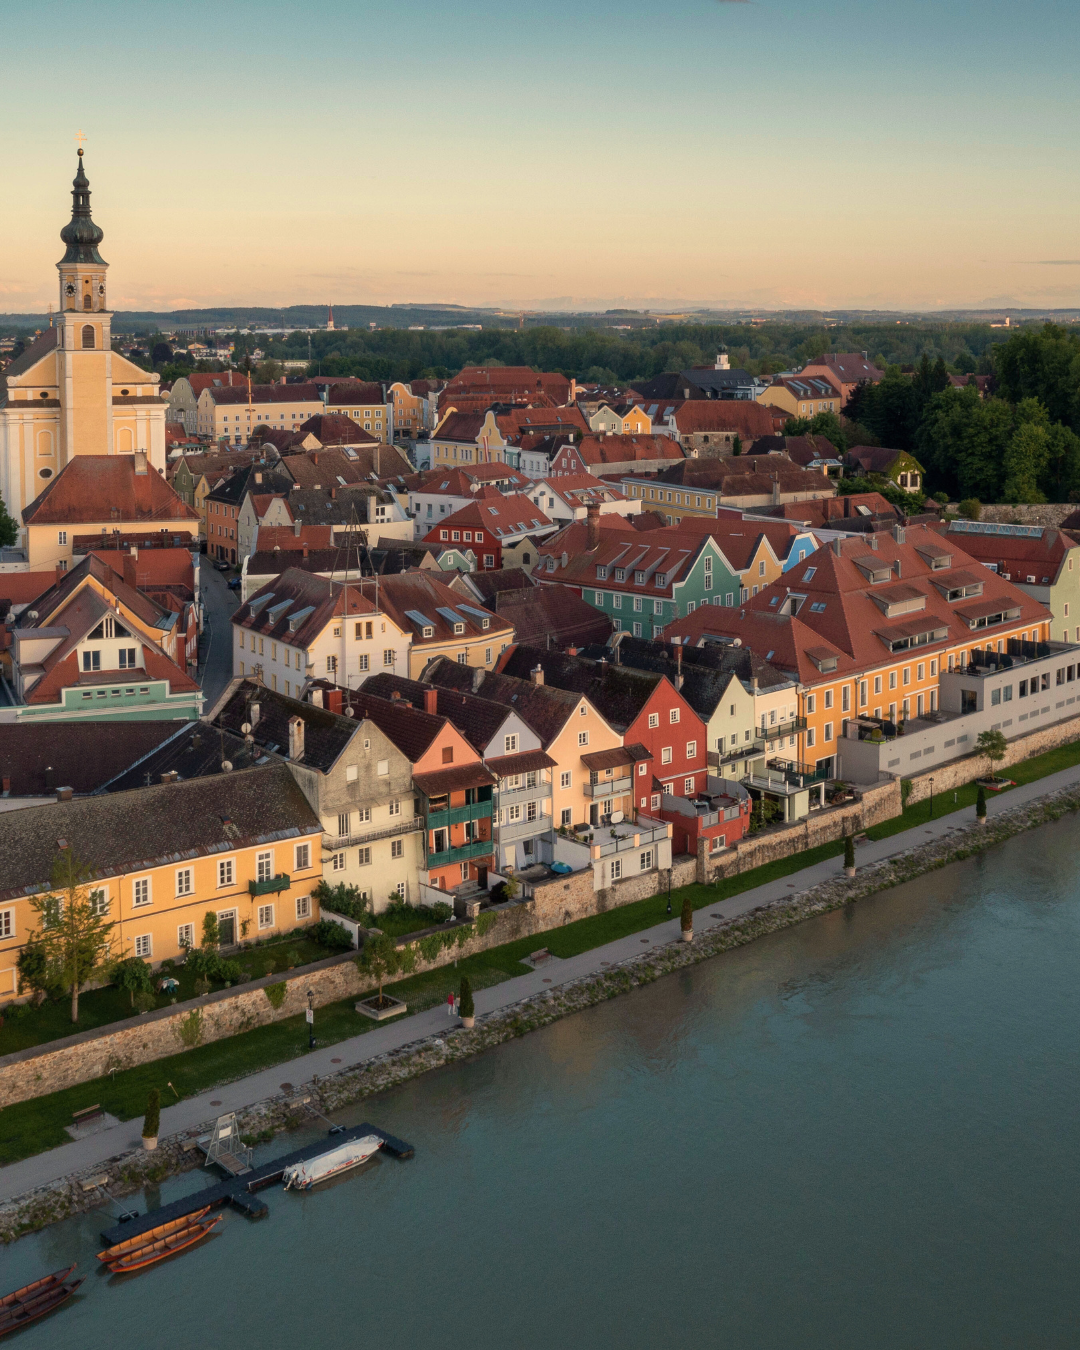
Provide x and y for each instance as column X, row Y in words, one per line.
column 862, row 1132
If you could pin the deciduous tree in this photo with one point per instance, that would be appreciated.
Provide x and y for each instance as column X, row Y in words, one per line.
column 75, row 931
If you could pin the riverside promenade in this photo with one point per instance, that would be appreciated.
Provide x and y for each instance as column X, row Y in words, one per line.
column 29, row 1174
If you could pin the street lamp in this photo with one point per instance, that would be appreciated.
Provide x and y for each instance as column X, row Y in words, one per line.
column 931, row 796
column 669, row 891
column 311, row 1019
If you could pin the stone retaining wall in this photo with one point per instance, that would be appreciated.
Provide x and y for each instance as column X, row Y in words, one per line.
column 1049, row 513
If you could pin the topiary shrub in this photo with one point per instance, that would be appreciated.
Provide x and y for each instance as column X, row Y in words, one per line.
column 152, row 1119
column 980, row 804
column 849, row 850
column 686, row 919
column 465, row 1006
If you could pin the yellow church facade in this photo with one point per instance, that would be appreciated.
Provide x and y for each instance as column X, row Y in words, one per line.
column 69, row 393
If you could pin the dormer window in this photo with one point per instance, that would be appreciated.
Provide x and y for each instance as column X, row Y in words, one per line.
column 427, row 631
column 661, row 579
column 459, row 628
column 620, row 574
column 639, row 578
column 601, row 574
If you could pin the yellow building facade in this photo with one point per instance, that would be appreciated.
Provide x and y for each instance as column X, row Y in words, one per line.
column 69, row 393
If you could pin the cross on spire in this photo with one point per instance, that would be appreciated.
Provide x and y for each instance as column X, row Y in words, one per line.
column 80, row 139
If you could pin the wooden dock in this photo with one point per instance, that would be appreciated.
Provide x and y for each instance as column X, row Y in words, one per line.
column 239, row 1191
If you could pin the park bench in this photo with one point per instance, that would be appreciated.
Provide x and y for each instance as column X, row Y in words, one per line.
column 87, row 1115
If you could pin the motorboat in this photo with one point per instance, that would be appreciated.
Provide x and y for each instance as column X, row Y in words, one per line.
column 303, row 1175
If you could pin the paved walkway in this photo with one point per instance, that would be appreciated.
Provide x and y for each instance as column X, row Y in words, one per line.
column 20, row 1177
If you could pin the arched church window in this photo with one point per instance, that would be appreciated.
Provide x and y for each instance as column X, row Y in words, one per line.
column 88, row 336
column 88, row 301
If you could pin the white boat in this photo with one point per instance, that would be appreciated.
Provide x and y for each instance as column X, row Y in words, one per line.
column 302, row 1176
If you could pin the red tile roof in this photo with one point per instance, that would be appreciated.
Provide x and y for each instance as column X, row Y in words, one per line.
column 627, row 449
column 265, row 393
column 748, row 419
column 285, row 537
column 336, row 429
column 504, row 518
column 106, row 487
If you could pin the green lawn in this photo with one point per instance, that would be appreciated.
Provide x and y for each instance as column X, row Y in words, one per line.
column 32, row 1126
column 99, row 1007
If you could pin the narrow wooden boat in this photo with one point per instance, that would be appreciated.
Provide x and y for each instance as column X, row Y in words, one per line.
column 133, row 1244
column 166, row 1246
column 303, row 1175
column 36, row 1299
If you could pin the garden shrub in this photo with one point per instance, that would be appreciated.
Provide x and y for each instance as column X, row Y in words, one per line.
column 330, row 933
column 152, row 1119
column 276, row 994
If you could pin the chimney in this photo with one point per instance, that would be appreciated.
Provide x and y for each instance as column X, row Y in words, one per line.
column 296, row 528
column 170, row 776
column 304, row 550
column 333, row 494
column 776, row 492
column 7, row 787
column 431, row 700
column 898, row 534
column 565, row 559
column 334, row 700
column 837, row 549
column 258, row 477
column 315, row 459
column 140, row 462
column 592, row 524
column 129, row 570
column 253, row 714
column 64, row 794
column 395, row 696
column 134, row 551
column 678, row 667
column 316, row 698
column 296, row 738
column 60, row 573
column 873, row 541
column 537, row 674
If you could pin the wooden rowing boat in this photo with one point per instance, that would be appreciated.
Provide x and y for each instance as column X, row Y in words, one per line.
column 163, row 1230
column 166, row 1246
column 35, row 1300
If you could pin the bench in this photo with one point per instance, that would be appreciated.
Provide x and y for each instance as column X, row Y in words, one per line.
column 538, row 957
column 86, row 1116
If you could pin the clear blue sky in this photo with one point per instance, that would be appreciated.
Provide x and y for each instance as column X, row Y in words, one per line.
column 775, row 153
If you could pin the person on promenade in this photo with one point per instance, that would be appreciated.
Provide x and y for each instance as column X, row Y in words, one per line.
column 450, row 1003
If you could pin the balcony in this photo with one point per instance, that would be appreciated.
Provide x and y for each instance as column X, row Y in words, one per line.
column 791, row 727
column 458, row 815
column 282, row 882
column 798, row 775
column 479, row 848
column 609, row 787
column 334, row 842
column 748, row 750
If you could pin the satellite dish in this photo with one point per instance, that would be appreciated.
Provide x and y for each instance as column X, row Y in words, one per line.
column 246, row 728
column 226, row 766
column 349, row 712
column 616, row 816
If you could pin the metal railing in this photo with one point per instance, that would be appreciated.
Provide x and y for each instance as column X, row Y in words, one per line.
column 788, row 728
column 458, row 815
column 477, row 849
column 338, row 841
column 609, row 787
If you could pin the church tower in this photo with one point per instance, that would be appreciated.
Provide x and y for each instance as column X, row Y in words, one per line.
column 85, row 338
column 69, row 393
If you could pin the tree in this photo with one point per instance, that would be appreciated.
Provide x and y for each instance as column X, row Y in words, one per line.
column 1045, row 365
column 980, row 804
column 9, row 529
column 736, row 445
column 75, row 932
column 211, row 933
column 380, row 958
column 466, row 1007
column 993, row 745
column 686, row 918
column 152, row 1119
column 161, row 353
column 1025, row 463
column 962, row 441
column 34, row 973
column 849, row 850
column 135, row 976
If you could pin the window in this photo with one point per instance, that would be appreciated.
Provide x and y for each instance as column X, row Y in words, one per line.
column 877, row 684
column 266, row 916
column 88, row 342
column 809, row 736
column 61, row 537
column 337, row 862
column 513, row 814
column 673, row 715
column 388, row 656
column 598, row 598
column 646, row 860
column 828, row 731
column 920, row 672
column 303, row 906
column 463, row 658
column 811, row 703
column 828, row 698
column 892, row 679
column 226, row 870
column 665, row 755
column 91, row 660
column 907, row 674
column 144, row 945
column 616, row 869
column 331, row 665
column 564, row 780
column 185, row 936
column 99, row 901
column 395, row 808
column 127, row 658
column 583, row 738
column 264, row 866
column 565, row 815
column 397, row 848
column 688, row 786
column 184, row 883
column 761, row 568
column 691, row 749
column 448, row 754
column 303, row 856
column 363, row 857
column 510, row 744
column 141, row 892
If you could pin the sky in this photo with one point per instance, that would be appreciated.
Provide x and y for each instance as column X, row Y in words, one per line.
column 560, row 153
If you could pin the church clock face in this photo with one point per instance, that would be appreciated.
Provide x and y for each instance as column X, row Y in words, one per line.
column 69, row 289
column 101, row 290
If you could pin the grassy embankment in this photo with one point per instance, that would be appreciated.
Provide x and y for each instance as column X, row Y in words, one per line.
column 32, row 1126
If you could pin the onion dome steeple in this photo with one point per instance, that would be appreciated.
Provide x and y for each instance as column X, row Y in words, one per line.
column 81, row 235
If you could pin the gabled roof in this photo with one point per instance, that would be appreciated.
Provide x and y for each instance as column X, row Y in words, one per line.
column 96, row 488
column 505, row 518
column 296, row 606
column 743, row 416
column 41, row 346
column 555, row 613
column 326, row 734
column 255, row 477
column 847, row 367
column 216, row 380
column 38, row 757
column 877, row 458
column 358, row 393
column 412, row 596
column 520, row 422
column 619, row 693
column 263, row 393
column 667, row 553
column 487, row 587
column 839, row 613
column 288, row 538
column 332, row 467
column 464, row 482
column 543, row 707
column 478, row 719
column 336, row 429
column 807, row 386
column 120, row 832
column 1030, row 552
column 460, row 427
column 626, row 449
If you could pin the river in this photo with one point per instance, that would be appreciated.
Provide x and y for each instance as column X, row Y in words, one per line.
column 861, row 1132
